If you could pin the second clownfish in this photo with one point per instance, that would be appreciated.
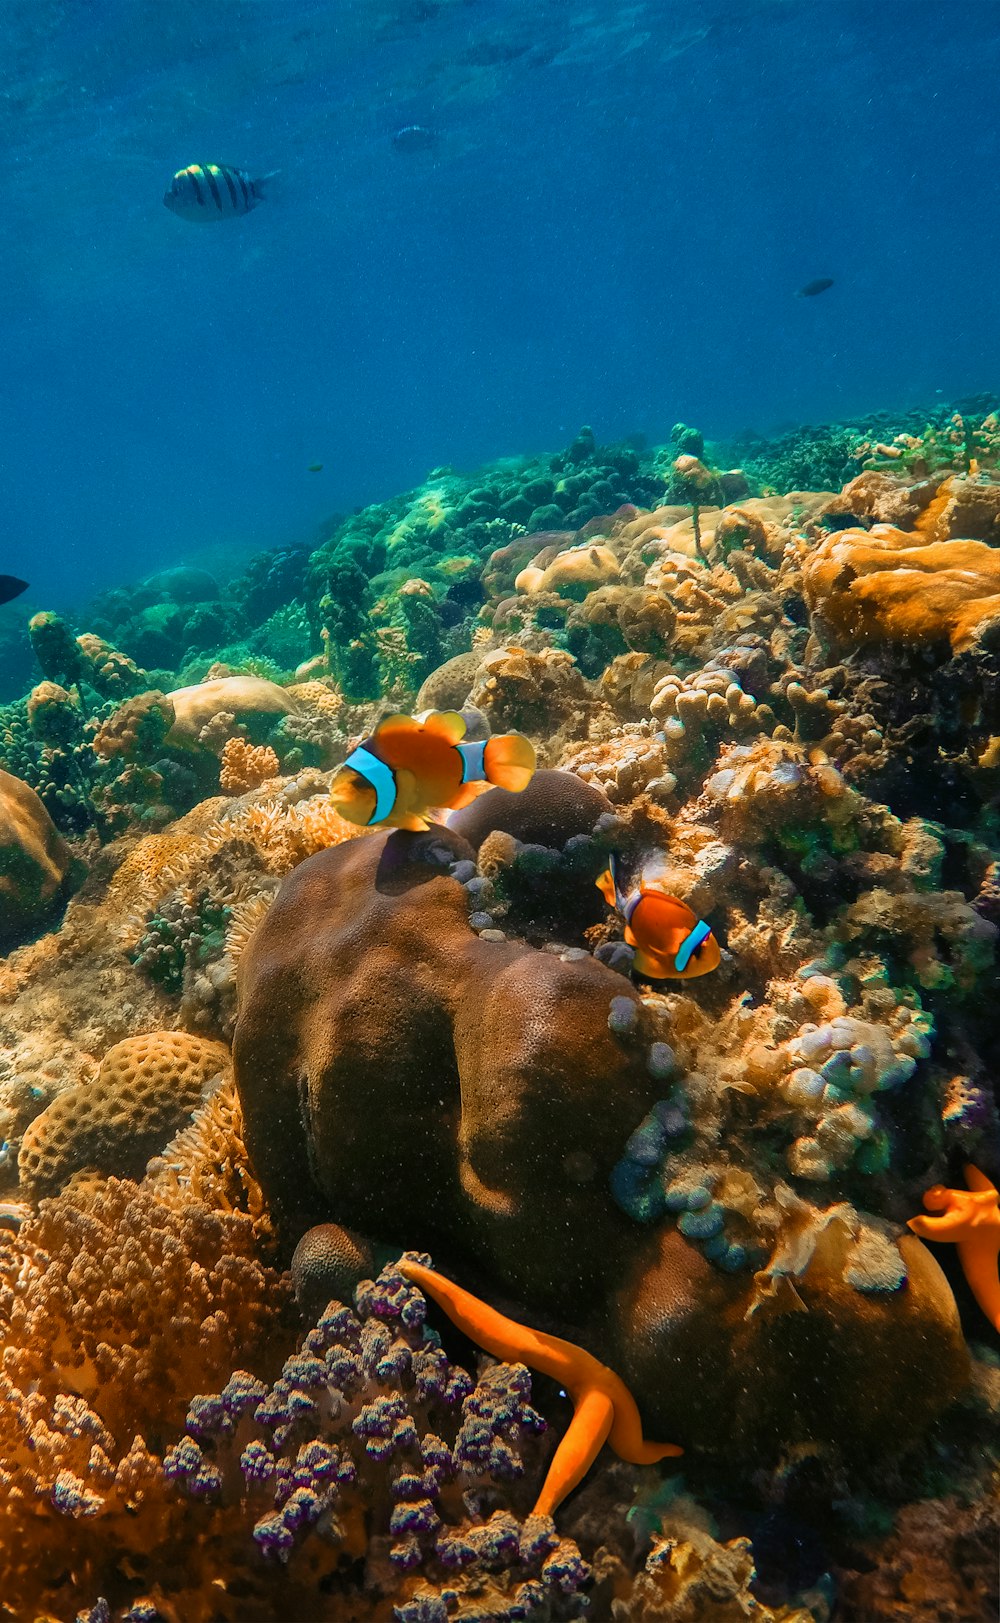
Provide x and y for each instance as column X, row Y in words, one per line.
column 670, row 942
column 412, row 765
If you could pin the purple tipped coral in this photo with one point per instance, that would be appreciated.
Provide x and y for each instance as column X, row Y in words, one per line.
column 369, row 1423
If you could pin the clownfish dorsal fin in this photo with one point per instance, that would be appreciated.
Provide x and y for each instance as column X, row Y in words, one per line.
column 397, row 723
column 446, row 724
column 611, row 890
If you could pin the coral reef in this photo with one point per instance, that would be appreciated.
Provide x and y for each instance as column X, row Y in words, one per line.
column 763, row 676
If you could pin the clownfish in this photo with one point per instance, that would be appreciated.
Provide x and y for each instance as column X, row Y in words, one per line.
column 412, row 764
column 670, row 943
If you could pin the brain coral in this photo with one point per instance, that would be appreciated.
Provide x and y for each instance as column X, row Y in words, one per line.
column 866, row 586
column 419, row 1084
column 34, row 859
column 145, row 1088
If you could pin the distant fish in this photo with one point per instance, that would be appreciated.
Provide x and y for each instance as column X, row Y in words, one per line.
column 315, row 467
column 11, row 587
column 670, row 942
column 812, row 288
column 412, row 764
column 414, row 138
column 213, row 191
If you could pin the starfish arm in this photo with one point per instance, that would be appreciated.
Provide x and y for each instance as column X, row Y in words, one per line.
column 502, row 1337
column 950, row 1226
column 978, row 1180
column 626, row 1431
column 978, row 1256
column 585, row 1437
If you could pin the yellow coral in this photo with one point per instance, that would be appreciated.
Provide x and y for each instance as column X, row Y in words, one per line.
column 319, row 696
column 573, row 572
column 246, row 766
column 111, row 1317
column 244, row 918
column 882, row 585
column 244, row 697
column 208, row 1162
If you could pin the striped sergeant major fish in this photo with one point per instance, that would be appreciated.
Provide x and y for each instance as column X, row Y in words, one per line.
column 671, row 943
column 412, row 765
column 214, row 191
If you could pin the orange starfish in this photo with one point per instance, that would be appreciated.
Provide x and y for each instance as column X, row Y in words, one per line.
column 604, row 1409
column 971, row 1217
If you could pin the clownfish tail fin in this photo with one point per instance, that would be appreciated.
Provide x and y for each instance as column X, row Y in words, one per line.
column 509, row 761
column 607, row 887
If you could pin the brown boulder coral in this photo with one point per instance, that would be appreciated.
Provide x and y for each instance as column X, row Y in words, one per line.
column 145, row 1089
column 35, row 861
column 421, row 1085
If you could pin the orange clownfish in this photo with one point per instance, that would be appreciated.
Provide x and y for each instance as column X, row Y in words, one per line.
column 412, row 764
column 670, row 943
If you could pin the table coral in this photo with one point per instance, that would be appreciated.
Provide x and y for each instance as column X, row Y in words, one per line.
column 145, row 1088
column 879, row 585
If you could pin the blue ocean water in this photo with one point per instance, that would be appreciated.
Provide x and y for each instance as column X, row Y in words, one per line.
column 616, row 207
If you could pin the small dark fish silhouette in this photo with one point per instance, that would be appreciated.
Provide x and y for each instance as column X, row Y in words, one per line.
column 315, row 467
column 11, row 587
column 413, row 138
column 812, row 288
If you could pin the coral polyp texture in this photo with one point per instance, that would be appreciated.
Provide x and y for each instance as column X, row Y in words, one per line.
column 259, row 1063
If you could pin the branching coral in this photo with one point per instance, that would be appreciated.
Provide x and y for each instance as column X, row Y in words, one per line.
column 113, row 1314
column 373, row 1465
column 245, row 766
